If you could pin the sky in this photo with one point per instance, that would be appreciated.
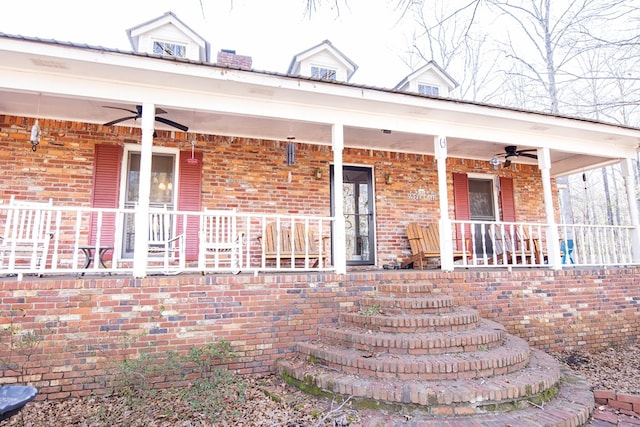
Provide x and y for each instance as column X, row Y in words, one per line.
column 270, row 31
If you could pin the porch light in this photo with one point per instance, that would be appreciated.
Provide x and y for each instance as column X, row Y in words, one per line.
column 317, row 173
column 35, row 135
column 495, row 162
column 388, row 179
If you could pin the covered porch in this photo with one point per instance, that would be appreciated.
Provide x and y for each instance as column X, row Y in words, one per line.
column 348, row 166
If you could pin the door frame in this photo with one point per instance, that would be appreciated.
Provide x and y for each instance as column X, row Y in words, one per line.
column 372, row 209
column 128, row 148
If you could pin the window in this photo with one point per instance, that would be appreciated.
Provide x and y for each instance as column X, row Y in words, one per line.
column 169, row 49
column 425, row 89
column 323, row 73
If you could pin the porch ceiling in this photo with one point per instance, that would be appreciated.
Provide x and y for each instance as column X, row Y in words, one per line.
column 58, row 82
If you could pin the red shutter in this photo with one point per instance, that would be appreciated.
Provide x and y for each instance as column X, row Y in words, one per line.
column 507, row 200
column 106, row 182
column 462, row 207
column 190, row 199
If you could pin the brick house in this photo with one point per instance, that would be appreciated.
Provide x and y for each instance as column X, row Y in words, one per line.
column 121, row 135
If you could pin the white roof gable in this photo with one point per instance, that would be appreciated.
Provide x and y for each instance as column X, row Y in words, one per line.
column 168, row 28
column 429, row 74
column 323, row 55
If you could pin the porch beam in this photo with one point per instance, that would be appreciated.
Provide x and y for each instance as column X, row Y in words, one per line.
column 626, row 166
column 446, row 242
column 141, row 244
column 339, row 225
column 553, row 236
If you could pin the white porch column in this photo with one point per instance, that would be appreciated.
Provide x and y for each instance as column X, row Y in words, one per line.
column 141, row 244
column 626, row 167
column 553, row 237
column 446, row 237
column 339, row 230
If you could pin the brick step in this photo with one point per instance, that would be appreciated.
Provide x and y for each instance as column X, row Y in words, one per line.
column 457, row 320
column 511, row 357
column 487, row 335
column 435, row 304
column 463, row 396
column 405, row 289
column 570, row 407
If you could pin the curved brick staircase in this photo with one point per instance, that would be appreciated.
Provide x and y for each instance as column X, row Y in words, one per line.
column 413, row 353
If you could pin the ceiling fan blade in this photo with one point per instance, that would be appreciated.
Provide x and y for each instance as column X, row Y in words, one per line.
column 507, row 163
column 122, row 119
column 532, row 156
column 172, row 123
column 120, row 108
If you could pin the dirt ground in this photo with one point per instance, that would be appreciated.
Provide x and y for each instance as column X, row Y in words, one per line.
column 268, row 401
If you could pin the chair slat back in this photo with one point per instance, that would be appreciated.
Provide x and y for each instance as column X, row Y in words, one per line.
column 160, row 227
column 28, row 222
column 423, row 240
column 219, row 228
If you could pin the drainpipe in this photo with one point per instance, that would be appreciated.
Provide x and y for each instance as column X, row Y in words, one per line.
column 339, row 230
column 141, row 244
column 629, row 180
column 553, row 237
column 446, row 236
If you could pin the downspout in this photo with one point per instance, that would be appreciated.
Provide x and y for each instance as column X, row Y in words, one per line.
column 141, row 245
column 446, row 236
column 629, row 179
column 553, row 237
column 339, row 230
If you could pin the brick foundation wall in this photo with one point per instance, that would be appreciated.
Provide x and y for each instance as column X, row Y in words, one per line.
column 249, row 174
column 85, row 323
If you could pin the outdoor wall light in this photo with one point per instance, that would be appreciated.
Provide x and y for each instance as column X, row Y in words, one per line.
column 388, row 179
column 35, row 135
column 317, row 173
column 495, row 162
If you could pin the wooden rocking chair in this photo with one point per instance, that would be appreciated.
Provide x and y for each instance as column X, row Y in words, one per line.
column 425, row 245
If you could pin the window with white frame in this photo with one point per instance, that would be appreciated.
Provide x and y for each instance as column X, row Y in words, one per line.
column 169, row 49
column 323, row 73
column 426, row 89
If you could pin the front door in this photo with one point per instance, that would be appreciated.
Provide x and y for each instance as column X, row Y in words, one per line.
column 161, row 194
column 357, row 189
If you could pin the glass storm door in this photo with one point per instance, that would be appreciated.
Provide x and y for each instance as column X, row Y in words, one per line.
column 161, row 193
column 358, row 214
column 481, row 202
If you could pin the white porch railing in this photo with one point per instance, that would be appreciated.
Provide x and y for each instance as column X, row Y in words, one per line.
column 72, row 250
column 507, row 244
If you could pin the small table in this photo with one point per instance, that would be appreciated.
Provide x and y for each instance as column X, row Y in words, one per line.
column 89, row 255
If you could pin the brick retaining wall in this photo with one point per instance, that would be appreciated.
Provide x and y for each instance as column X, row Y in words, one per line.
column 85, row 324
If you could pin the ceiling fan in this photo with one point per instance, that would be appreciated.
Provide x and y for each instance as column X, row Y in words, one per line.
column 137, row 113
column 511, row 152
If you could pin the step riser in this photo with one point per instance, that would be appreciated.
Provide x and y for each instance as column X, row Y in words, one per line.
column 411, row 324
column 427, row 368
column 417, row 344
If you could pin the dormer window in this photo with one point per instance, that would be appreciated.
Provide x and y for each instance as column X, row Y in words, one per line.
column 323, row 73
column 169, row 49
column 425, row 89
